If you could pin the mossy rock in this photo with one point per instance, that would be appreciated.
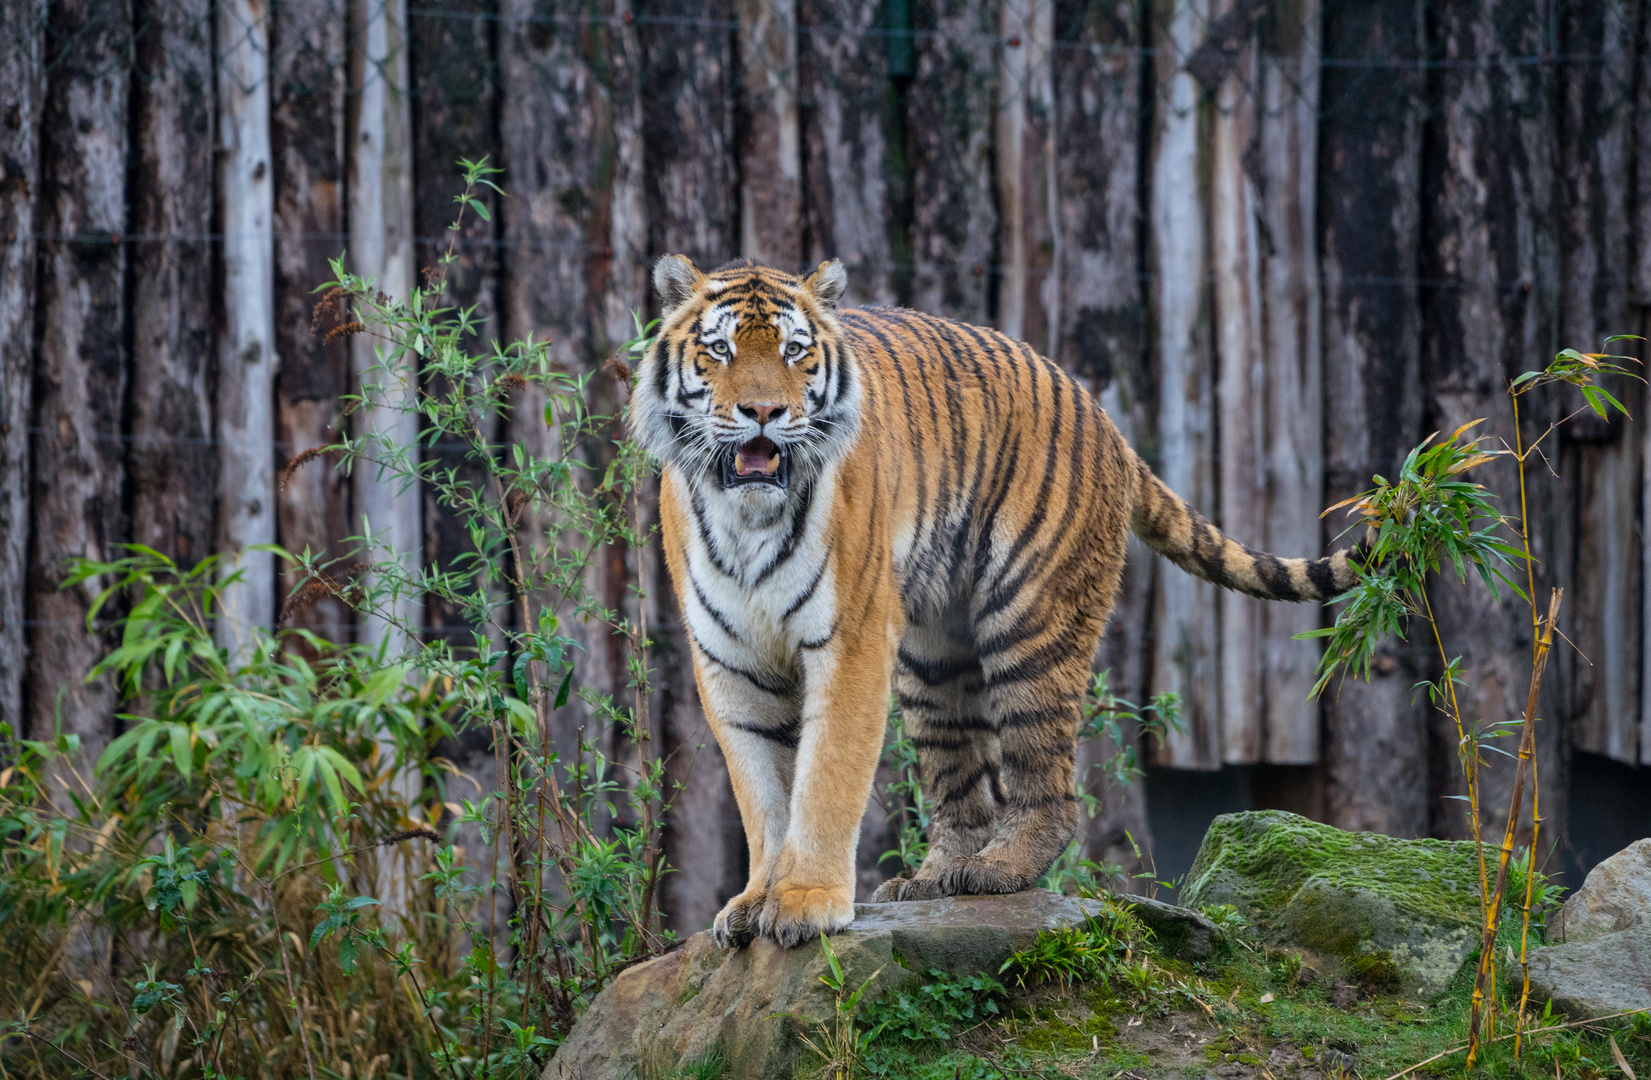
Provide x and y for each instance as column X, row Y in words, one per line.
column 1399, row 914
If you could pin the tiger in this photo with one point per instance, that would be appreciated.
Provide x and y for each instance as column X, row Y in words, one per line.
column 858, row 499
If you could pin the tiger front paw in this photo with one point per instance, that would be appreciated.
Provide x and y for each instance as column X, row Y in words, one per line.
column 793, row 913
column 736, row 924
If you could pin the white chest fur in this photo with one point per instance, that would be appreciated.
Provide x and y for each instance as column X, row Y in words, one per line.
column 761, row 583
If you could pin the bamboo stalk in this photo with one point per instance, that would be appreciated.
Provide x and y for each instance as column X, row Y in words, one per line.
column 1527, row 750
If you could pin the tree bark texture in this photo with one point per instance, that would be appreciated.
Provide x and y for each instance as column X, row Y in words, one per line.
column 1186, row 656
column 855, row 178
column 246, row 345
column 951, row 117
column 770, row 148
column 22, row 93
column 1097, row 73
column 80, row 361
column 307, row 75
column 381, row 249
column 1370, row 183
column 1594, row 136
column 1028, row 277
column 1488, row 247
column 170, row 206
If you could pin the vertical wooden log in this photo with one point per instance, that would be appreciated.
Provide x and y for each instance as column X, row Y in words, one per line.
column 686, row 104
column 1096, row 133
column 1185, row 655
column 1488, row 238
column 1241, row 386
column 80, row 372
column 171, row 272
column 854, row 182
column 455, row 87
column 770, row 150
column 1594, row 136
column 569, row 125
column 688, row 128
column 22, row 87
column 1370, row 185
column 307, row 75
column 381, row 248
column 1639, row 293
column 950, row 113
column 246, row 372
column 1029, row 230
column 1293, row 363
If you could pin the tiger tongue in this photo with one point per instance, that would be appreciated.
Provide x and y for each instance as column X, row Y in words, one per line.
column 759, row 456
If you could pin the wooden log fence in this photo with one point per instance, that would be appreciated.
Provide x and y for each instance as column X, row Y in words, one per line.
column 1282, row 240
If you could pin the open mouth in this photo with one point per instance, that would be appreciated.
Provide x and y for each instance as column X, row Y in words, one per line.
column 759, row 461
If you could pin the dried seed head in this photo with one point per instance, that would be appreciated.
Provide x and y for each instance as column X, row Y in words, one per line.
column 342, row 330
column 510, row 384
column 285, row 475
column 410, row 834
column 620, row 370
column 330, row 305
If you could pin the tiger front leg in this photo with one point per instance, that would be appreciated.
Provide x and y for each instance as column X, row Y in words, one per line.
column 810, row 887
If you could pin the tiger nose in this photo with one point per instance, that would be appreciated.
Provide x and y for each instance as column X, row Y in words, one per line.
column 762, row 414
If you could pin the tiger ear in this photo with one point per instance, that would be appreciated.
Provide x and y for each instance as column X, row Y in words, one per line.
column 828, row 282
column 675, row 280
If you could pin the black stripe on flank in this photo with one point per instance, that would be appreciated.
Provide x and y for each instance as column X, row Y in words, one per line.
column 1040, row 801
column 781, row 689
column 996, row 781
column 711, row 609
column 936, row 672
column 1028, row 718
column 958, row 740
column 1037, row 663
column 788, row 736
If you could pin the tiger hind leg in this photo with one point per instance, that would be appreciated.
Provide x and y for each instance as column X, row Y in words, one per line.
column 938, row 679
column 1033, row 689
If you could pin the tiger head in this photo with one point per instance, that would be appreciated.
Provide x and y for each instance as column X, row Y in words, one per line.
column 750, row 386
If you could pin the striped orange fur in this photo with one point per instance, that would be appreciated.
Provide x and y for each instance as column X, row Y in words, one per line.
column 865, row 497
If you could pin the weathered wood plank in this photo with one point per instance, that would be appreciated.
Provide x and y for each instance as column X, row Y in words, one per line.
column 1376, row 750
column 170, row 205
column 381, row 248
column 1293, row 360
column 770, row 150
column 853, row 138
column 1096, row 86
column 1029, row 241
column 1230, row 68
column 456, row 101
column 81, row 360
column 950, row 119
column 1594, row 129
column 1489, row 244
column 22, row 88
column 246, row 344
column 688, row 128
column 1186, row 652
column 691, row 179
column 307, row 77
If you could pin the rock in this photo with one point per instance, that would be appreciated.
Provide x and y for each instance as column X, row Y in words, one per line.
column 1616, row 896
column 1398, row 914
column 698, row 1001
column 1177, row 931
column 1597, row 976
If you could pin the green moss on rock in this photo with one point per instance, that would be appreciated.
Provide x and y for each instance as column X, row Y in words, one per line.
column 1400, row 912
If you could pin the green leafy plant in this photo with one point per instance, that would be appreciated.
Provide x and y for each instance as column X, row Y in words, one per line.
column 1434, row 518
